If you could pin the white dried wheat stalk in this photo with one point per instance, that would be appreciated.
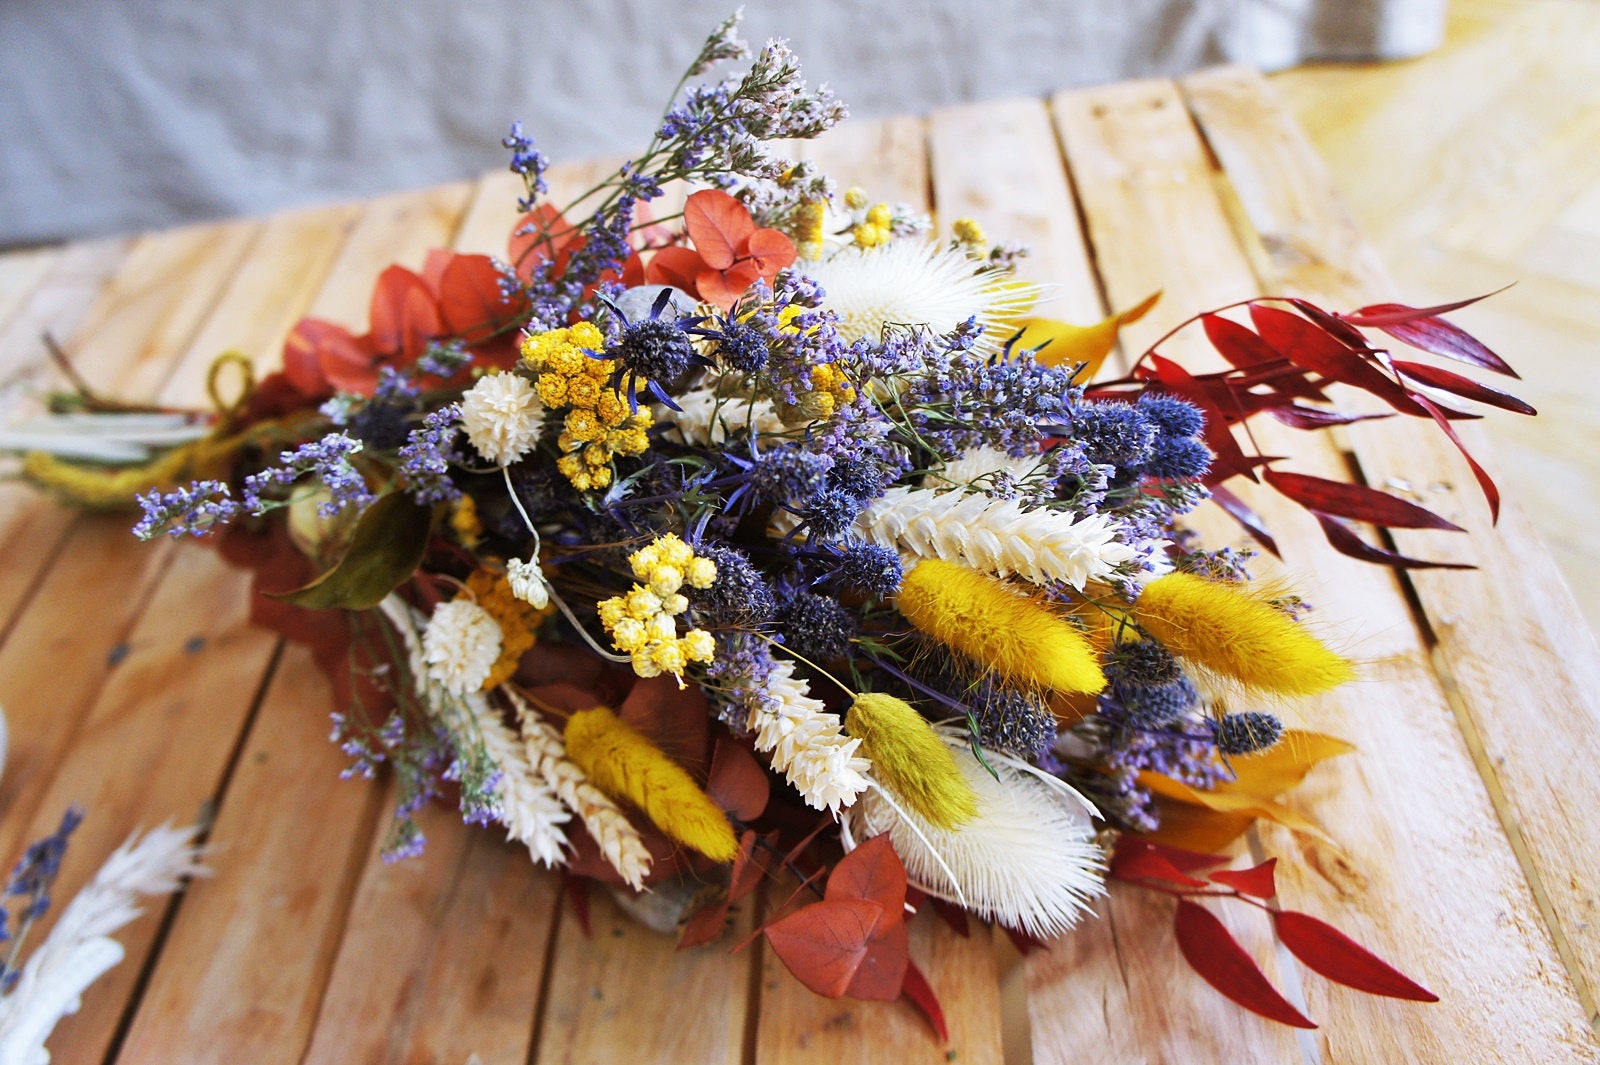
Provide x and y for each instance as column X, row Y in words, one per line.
column 806, row 741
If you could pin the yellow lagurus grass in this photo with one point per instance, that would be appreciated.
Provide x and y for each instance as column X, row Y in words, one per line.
column 910, row 760
column 1228, row 632
column 1018, row 638
column 626, row 765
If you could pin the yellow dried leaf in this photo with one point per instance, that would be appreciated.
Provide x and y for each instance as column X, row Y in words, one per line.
column 1065, row 343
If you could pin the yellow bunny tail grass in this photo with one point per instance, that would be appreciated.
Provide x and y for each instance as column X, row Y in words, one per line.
column 909, row 758
column 1016, row 637
column 625, row 765
column 1229, row 632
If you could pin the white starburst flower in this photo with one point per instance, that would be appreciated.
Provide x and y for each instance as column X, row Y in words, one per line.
column 527, row 582
column 917, row 282
column 1028, row 860
column 502, row 417
column 460, row 646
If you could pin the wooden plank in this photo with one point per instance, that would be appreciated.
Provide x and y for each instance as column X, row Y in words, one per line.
column 30, row 526
column 1511, row 626
column 425, row 974
column 999, row 164
column 1409, row 804
column 888, row 158
column 295, row 707
column 243, row 968
column 21, row 272
column 628, row 994
column 797, row 1026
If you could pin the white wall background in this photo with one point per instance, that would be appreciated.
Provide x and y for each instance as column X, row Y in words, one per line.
column 118, row 115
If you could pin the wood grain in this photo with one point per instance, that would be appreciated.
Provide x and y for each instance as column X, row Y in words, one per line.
column 1509, row 627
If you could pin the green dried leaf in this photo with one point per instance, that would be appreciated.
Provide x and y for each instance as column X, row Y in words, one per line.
column 384, row 551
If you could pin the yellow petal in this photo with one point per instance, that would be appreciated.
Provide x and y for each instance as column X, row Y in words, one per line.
column 1065, row 343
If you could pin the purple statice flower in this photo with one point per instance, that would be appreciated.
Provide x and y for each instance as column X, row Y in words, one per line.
column 444, row 358
column 723, row 43
column 326, row 460
column 32, row 877
column 191, row 511
column 528, row 161
column 737, row 677
column 427, row 455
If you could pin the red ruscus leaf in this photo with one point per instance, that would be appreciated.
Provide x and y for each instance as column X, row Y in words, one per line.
column 1355, row 501
column 1234, row 342
column 1326, row 950
column 1311, row 346
column 1348, row 543
column 1135, row 859
column 1240, row 511
column 1256, row 880
column 1213, row 953
column 921, row 994
column 1465, row 387
column 1486, row 483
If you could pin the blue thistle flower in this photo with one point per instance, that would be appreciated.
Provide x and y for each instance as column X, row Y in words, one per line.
column 816, row 626
column 739, row 598
column 1247, row 731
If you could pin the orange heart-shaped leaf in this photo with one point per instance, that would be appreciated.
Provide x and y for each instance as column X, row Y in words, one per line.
column 675, row 266
column 404, row 315
column 724, row 287
column 871, row 871
column 843, row 946
column 771, row 251
column 718, row 224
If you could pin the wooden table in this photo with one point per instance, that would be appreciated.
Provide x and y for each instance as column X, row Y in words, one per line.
column 1468, row 844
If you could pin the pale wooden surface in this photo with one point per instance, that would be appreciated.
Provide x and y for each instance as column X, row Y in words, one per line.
column 1465, row 833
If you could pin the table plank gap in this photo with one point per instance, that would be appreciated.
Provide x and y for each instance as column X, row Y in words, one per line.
column 1511, row 626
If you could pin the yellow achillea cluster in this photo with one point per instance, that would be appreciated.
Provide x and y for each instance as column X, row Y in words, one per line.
column 518, row 621
column 599, row 424
column 875, row 230
column 644, row 622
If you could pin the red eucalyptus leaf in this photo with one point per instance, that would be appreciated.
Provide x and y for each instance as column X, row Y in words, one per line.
column 844, row 946
column 1485, row 482
column 349, row 363
column 737, row 782
column 1234, row 342
column 1213, row 953
column 1136, row 859
column 724, row 287
column 749, row 867
column 1326, row 950
column 921, row 995
column 1256, row 880
column 718, row 224
column 871, row 871
column 472, row 303
column 1297, row 417
column 1356, row 501
column 1464, row 387
column 404, row 315
column 675, row 266
column 1348, row 543
column 771, row 251
column 1315, row 349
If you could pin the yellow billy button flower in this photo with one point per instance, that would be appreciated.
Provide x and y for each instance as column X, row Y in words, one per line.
column 967, row 231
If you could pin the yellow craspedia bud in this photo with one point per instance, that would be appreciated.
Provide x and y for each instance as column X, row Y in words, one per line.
column 1225, row 630
column 910, row 760
column 855, row 197
column 662, row 627
column 644, row 560
column 587, row 335
column 979, row 616
column 612, row 611
column 674, row 604
column 868, row 235
column 581, row 426
column 879, row 216
column 807, row 228
column 625, row 765
column 552, row 389
column 611, row 408
column 464, row 522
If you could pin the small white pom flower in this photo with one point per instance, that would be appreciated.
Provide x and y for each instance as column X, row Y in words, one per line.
column 502, row 416
column 460, row 646
column 527, row 582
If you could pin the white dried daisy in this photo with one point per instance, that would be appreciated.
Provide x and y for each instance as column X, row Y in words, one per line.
column 502, row 416
column 460, row 646
column 917, row 282
column 527, row 582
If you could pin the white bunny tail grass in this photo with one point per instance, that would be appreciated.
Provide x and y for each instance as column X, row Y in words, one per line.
column 1028, row 860
column 80, row 948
